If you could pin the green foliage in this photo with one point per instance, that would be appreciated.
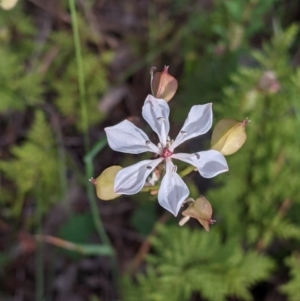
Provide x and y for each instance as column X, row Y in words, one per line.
column 64, row 70
column 186, row 262
column 275, row 55
column 255, row 203
column 216, row 44
column 35, row 166
column 291, row 289
column 37, row 70
column 230, row 25
column 261, row 186
column 23, row 67
column 20, row 83
column 234, row 15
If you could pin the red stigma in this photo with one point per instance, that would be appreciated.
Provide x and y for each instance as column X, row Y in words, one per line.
column 166, row 153
column 166, row 68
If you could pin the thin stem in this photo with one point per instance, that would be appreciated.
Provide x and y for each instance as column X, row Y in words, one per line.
column 187, row 171
column 88, row 160
column 89, row 170
column 81, row 84
column 89, row 157
column 92, row 153
column 149, row 188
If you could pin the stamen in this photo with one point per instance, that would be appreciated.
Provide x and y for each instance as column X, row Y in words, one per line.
column 188, row 201
column 160, row 118
column 184, row 220
column 197, row 155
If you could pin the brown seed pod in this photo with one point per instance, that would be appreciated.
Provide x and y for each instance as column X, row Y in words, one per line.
column 201, row 210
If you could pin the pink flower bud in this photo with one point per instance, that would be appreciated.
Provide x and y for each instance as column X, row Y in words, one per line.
column 163, row 85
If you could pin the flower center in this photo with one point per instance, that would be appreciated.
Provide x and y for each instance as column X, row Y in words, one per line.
column 166, row 153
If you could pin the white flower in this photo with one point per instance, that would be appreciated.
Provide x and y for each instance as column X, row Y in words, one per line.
column 127, row 138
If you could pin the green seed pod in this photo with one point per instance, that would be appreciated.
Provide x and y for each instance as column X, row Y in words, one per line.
column 228, row 136
column 105, row 183
column 163, row 85
column 8, row 4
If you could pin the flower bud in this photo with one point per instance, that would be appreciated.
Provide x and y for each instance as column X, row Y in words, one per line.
column 228, row 136
column 163, row 85
column 201, row 210
column 105, row 183
column 268, row 83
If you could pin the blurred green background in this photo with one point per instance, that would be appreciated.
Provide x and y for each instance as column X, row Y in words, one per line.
column 70, row 68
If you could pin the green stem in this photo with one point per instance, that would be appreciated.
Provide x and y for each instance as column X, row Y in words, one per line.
column 187, row 171
column 89, row 170
column 82, row 93
column 149, row 188
column 88, row 160
column 89, row 157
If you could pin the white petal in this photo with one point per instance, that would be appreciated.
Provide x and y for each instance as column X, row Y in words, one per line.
column 173, row 191
column 125, row 137
column 198, row 122
column 156, row 112
column 209, row 163
column 131, row 180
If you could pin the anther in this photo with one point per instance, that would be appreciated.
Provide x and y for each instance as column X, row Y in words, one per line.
column 197, row 155
column 160, row 118
column 149, row 167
